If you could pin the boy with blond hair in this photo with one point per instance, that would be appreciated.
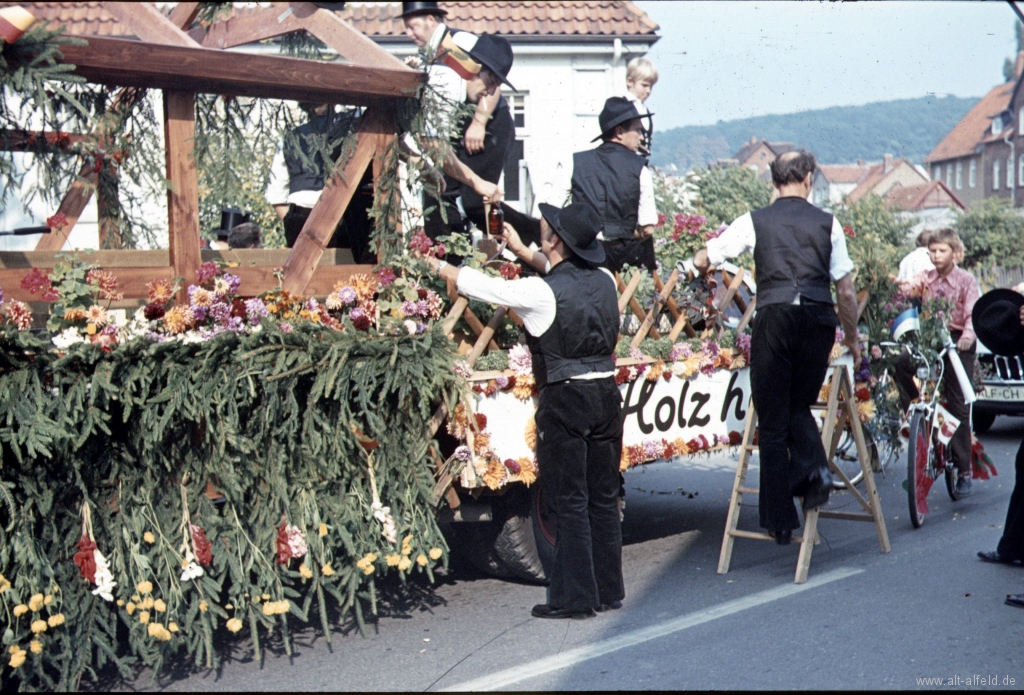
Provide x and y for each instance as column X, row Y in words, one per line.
column 958, row 286
column 641, row 76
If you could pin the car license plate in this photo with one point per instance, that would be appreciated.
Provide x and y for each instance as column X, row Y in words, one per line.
column 1004, row 393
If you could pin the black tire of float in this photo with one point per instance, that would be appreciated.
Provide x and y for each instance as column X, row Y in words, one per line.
column 982, row 421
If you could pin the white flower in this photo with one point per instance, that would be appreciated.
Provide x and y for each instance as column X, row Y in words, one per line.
column 67, row 338
column 104, row 578
column 520, row 360
column 383, row 515
column 410, row 326
column 463, row 369
column 192, row 571
column 296, row 541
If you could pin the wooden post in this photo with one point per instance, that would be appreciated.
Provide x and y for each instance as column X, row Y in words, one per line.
column 183, row 198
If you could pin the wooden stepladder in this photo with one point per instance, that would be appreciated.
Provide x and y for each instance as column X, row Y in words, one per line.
column 840, row 413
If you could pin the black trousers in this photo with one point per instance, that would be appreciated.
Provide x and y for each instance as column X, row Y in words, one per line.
column 1011, row 545
column 638, row 253
column 579, row 443
column 952, row 397
column 789, row 356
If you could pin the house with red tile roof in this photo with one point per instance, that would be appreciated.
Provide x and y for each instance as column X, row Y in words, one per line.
column 757, row 154
column 835, row 182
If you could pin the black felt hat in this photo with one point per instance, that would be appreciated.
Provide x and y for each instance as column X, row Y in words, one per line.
column 996, row 319
column 229, row 219
column 577, row 225
column 616, row 111
column 411, row 9
column 495, row 54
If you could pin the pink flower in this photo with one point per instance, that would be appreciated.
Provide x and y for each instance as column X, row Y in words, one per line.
column 207, row 271
column 385, row 276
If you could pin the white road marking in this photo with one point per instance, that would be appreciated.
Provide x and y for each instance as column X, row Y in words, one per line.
column 631, row 639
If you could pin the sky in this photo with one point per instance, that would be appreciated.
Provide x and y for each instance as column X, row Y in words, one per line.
column 729, row 60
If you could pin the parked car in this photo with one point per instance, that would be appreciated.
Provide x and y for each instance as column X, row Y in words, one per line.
column 1003, row 378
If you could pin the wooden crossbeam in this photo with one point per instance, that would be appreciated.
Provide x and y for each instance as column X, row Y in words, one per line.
column 325, row 215
column 647, row 326
column 627, row 292
column 151, row 65
column 747, row 315
column 148, row 23
column 486, row 335
column 183, row 14
column 24, row 141
column 730, row 293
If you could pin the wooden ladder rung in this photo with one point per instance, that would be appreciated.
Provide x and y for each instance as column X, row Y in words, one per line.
column 750, row 447
column 845, row 516
column 756, row 535
column 748, row 490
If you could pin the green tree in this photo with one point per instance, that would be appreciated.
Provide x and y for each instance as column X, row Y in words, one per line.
column 725, row 193
column 877, row 239
column 992, row 233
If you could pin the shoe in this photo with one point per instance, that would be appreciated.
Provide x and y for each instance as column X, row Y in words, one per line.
column 1015, row 600
column 994, row 557
column 543, row 610
column 819, row 485
column 605, row 607
column 963, row 486
column 782, row 536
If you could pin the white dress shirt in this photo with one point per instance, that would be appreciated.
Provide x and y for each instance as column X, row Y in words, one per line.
column 915, row 262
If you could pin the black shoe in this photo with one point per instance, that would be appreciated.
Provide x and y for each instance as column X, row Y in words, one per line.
column 819, row 485
column 782, row 536
column 1015, row 600
column 963, row 486
column 543, row 610
column 994, row 557
column 605, row 607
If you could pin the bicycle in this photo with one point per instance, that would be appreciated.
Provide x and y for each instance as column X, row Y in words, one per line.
column 926, row 453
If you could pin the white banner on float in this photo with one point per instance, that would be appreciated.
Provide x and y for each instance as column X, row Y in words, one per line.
column 712, row 406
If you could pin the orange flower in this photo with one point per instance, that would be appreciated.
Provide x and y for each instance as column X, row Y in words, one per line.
column 160, row 291
column 364, row 284
column 179, row 319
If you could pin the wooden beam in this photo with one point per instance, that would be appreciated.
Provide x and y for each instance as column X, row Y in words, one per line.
column 73, row 205
column 183, row 14
column 183, row 197
column 25, row 141
column 327, row 212
column 251, row 27
column 195, row 69
column 346, row 40
column 148, row 23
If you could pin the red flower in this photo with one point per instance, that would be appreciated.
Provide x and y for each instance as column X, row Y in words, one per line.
column 693, row 445
column 207, row 271
column 622, row 376
column 513, row 466
column 37, row 281
column 662, row 219
column 670, row 449
column 421, row 293
column 385, row 276
column 57, row 222
column 509, row 271
column 420, row 242
column 284, row 552
column 439, row 251
column 361, row 323
column 85, row 559
column 481, row 421
column 153, row 311
column 491, row 388
column 238, row 308
column 203, row 548
column 667, row 375
column 863, row 394
column 735, row 438
column 848, row 231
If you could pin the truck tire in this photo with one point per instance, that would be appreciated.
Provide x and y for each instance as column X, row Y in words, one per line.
column 519, row 545
column 475, row 542
column 982, row 421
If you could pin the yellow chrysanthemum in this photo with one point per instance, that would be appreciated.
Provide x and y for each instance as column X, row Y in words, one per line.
column 327, row 570
column 268, row 608
column 20, row 610
column 48, row 599
column 179, row 319
column 35, row 646
column 149, row 537
column 202, row 298
column 530, row 434
column 404, row 564
column 393, row 559
column 421, row 560
column 265, row 597
column 17, row 659
column 147, row 603
column 120, row 602
column 436, row 553
column 173, row 627
column 144, row 587
column 135, row 597
column 203, row 606
column 15, row 648
column 495, row 473
column 130, row 607
column 36, row 602
column 322, row 530
column 866, row 411
column 234, row 625
column 159, row 632
column 5, row 584
column 74, row 314
column 527, row 471
column 96, row 315
column 56, row 620
column 305, row 571
column 38, row 627
column 143, row 617
column 159, row 606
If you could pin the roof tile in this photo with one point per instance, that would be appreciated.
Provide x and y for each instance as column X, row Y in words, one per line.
column 966, row 135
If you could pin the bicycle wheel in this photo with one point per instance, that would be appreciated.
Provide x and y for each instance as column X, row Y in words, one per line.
column 949, row 469
column 918, row 451
column 847, row 461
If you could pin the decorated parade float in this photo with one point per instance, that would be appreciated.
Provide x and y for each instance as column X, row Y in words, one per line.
column 199, row 442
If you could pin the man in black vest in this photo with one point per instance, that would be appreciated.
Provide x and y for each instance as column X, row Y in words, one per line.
column 571, row 317
column 799, row 251
column 614, row 180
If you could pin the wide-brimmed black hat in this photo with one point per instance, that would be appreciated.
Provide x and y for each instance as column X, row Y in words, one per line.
column 616, row 111
column 577, row 225
column 996, row 319
column 229, row 219
column 411, row 9
column 495, row 54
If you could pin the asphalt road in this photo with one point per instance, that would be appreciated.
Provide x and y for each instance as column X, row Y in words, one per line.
column 928, row 609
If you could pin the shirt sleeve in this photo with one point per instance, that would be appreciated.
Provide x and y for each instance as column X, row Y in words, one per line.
column 971, row 296
column 738, row 238
column 648, row 211
column 277, row 184
column 841, row 264
column 531, row 298
column 451, row 91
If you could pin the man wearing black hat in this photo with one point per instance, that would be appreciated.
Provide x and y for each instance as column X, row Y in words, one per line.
column 571, row 318
column 998, row 317
column 615, row 181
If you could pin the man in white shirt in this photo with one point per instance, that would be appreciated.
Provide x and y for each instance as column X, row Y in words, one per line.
column 571, row 318
column 799, row 252
column 918, row 260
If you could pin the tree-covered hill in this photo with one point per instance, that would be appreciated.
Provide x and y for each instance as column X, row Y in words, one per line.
column 905, row 127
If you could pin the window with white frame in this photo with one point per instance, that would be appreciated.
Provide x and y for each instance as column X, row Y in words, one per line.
column 949, row 175
column 972, row 173
column 995, row 175
column 959, row 175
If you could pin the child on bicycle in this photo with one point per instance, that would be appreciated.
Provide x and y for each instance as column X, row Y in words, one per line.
column 961, row 288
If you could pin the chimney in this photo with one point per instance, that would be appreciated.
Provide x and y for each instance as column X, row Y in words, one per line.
column 860, row 162
column 753, row 138
column 1018, row 67
column 886, row 163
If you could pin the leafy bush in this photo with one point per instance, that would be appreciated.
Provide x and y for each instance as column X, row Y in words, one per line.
column 992, row 234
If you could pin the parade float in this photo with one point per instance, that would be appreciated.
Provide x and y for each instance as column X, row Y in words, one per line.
column 203, row 443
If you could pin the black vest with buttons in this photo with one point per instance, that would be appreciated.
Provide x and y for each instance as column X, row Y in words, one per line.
column 792, row 252
column 581, row 340
column 608, row 179
column 302, row 176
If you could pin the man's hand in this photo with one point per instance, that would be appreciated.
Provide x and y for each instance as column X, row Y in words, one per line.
column 964, row 344
column 701, row 262
column 853, row 343
column 515, row 244
column 489, row 191
column 475, row 135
